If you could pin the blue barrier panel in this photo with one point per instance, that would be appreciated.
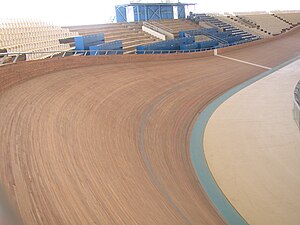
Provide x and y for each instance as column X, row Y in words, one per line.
column 198, row 32
column 233, row 39
column 114, row 45
column 187, row 40
column 167, row 45
column 207, row 44
column 181, row 34
column 189, row 46
column 84, row 42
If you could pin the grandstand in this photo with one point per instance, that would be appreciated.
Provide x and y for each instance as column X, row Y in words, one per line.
column 131, row 34
column 175, row 26
column 242, row 24
column 267, row 23
column 214, row 21
column 33, row 36
column 51, row 41
column 293, row 17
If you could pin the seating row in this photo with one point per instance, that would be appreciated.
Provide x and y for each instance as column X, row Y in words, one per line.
column 32, row 46
column 268, row 23
column 18, row 31
column 45, row 52
column 131, row 34
column 32, row 36
column 8, row 43
column 291, row 18
column 241, row 24
column 109, row 48
column 223, row 25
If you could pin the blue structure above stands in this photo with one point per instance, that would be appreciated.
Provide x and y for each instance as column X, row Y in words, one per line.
column 136, row 12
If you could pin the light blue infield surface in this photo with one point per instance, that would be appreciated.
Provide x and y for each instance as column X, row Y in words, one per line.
column 219, row 200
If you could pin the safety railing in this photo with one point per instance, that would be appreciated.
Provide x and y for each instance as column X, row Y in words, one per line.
column 13, row 57
column 296, row 109
column 144, row 52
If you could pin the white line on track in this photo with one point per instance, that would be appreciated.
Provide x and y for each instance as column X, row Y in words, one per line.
column 241, row 61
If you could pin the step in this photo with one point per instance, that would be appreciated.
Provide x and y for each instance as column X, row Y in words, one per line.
column 137, row 41
column 132, row 47
column 128, row 38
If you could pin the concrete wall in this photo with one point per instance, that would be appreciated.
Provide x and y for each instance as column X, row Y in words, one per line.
column 22, row 71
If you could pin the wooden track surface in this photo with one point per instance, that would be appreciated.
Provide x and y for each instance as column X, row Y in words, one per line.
column 108, row 144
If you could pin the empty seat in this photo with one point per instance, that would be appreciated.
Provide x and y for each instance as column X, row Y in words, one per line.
column 19, row 35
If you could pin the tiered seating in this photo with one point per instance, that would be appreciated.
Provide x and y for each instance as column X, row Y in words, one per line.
column 224, row 38
column 215, row 22
column 267, row 23
column 242, row 24
column 175, row 26
column 32, row 36
column 130, row 34
column 293, row 18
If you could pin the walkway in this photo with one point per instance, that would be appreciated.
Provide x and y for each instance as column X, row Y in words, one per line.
column 252, row 148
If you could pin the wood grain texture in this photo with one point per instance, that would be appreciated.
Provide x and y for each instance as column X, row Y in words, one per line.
column 108, row 144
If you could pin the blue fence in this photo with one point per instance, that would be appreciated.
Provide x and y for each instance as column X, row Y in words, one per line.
column 208, row 44
column 226, row 38
column 84, row 42
column 183, row 43
column 201, row 45
column 100, row 49
column 166, row 45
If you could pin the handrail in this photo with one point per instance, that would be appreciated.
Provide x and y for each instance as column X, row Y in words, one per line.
column 296, row 112
column 51, row 54
column 296, row 109
column 16, row 55
column 297, row 93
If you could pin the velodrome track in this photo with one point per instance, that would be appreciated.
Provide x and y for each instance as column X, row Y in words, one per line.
column 109, row 144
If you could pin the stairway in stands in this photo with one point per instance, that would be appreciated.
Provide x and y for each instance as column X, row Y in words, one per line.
column 242, row 24
column 223, row 26
column 292, row 18
column 267, row 23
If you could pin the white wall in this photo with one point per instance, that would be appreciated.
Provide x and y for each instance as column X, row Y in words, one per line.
column 130, row 14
